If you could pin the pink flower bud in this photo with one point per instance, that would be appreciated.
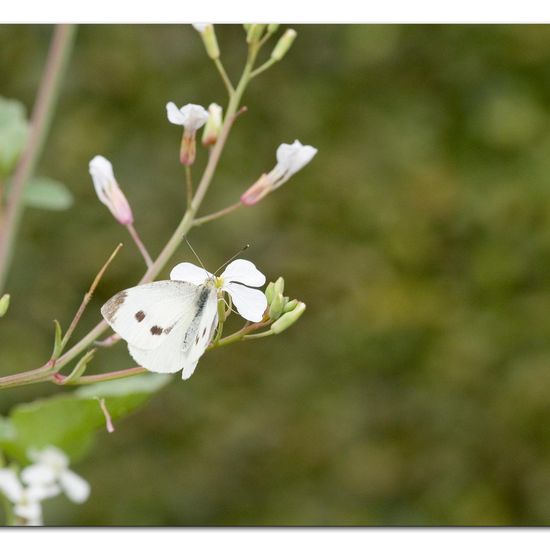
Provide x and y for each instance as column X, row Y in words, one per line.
column 108, row 191
column 258, row 191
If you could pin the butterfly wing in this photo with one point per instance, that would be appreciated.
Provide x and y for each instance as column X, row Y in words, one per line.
column 186, row 343
column 146, row 315
column 196, row 340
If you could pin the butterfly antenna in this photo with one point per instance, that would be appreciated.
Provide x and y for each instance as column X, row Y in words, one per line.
column 196, row 255
column 245, row 247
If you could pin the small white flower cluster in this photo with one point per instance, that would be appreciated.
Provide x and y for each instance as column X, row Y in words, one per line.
column 47, row 477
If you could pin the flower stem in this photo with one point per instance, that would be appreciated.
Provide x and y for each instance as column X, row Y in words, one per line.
column 45, row 372
column 48, row 93
column 263, row 67
column 216, row 215
column 94, row 378
column 139, row 243
column 225, row 78
column 88, row 297
column 189, row 184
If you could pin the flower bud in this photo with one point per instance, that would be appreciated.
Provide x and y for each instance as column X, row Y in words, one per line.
column 279, row 285
column 272, row 27
column 284, row 44
column 108, row 191
column 288, row 319
column 277, row 305
column 209, row 39
column 257, row 191
column 290, row 159
column 255, row 32
column 289, row 306
column 213, row 125
column 4, row 304
column 269, row 292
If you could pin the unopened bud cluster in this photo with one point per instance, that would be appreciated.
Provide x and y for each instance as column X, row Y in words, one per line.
column 281, row 309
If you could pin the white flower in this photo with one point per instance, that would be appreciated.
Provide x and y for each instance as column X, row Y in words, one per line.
column 238, row 276
column 108, row 191
column 26, row 500
column 190, row 116
column 52, row 467
column 290, row 159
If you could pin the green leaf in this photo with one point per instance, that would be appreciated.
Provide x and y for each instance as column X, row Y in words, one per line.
column 14, row 130
column 81, row 367
column 58, row 339
column 47, row 194
column 70, row 421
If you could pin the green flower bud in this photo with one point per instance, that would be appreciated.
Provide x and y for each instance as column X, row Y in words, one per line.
column 4, row 304
column 255, row 33
column 288, row 319
column 284, row 44
column 269, row 291
column 276, row 307
column 279, row 285
column 273, row 27
column 289, row 306
column 208, row 35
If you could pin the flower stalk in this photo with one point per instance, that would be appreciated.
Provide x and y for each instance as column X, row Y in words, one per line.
column 49, row 370
column 46, row 100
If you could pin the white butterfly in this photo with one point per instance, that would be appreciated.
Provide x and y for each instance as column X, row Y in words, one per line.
column 169, row 324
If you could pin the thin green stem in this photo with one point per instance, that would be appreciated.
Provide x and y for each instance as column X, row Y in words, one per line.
column 94, row 378
column 140, row 246
column 87, row 298
column 263, row 67
column 239, row 335
column 259, row 335
column 48, row 93
column 216, row 215
column 221, row 320
column 225, row 78
column 189, row 184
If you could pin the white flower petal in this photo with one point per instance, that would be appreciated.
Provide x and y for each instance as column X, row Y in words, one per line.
column 52, row 456
column 243, row 271
column 41, row 492
column 174, row 114
column 74, row 486
column 103, row 177
column 190, row 273
column 290, row 159
column 30, row 511
column 10, row 485
column 39, row 474
column 194, row 116
column 250, row 302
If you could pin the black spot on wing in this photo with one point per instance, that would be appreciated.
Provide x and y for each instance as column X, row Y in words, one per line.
column 140, row 315
column 156, row 330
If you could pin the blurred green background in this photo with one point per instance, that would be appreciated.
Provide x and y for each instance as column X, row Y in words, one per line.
column 415, row 390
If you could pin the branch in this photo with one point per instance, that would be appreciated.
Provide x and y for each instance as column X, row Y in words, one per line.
column 48, row 92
